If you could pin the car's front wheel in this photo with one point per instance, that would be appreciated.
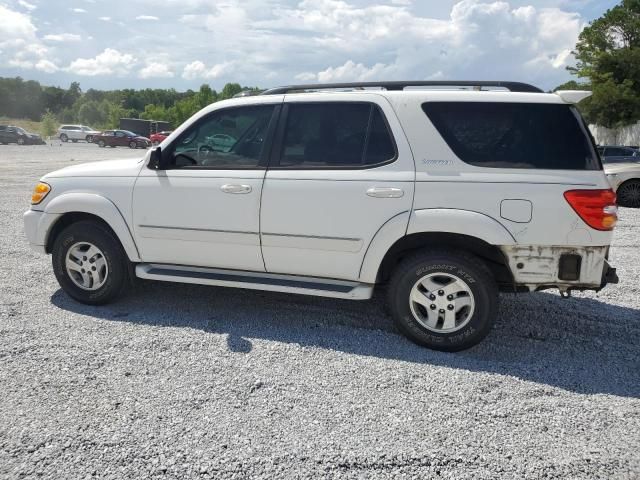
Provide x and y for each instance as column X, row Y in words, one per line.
column 89, row 263
column 101, row 143
column 20, row 141
column 445, row 300
column 133, row 144
column 629, row 194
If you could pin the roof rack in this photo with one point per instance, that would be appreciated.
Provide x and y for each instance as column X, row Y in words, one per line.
column 401, row 85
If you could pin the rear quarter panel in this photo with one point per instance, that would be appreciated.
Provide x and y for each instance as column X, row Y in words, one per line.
column 445, row 181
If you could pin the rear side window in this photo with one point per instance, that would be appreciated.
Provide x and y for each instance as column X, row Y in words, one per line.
column 514, row 135
column 335, row 135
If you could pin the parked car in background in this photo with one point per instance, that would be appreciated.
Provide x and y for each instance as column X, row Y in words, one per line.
column 159, row 137
column 618, row 154
column 121, row 138
column 76, row 132
column 13, row 134
column 624, row 178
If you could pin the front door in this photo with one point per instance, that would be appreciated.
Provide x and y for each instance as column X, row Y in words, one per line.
column 204, row 210
column 341, row 170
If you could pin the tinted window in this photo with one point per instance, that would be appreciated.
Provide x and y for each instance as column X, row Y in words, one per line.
column 618, row 152
column 335, row 135
column 231, row 138
column 514, row 135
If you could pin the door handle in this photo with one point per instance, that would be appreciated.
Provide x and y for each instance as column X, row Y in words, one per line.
column 236, row 188
column 385, row 192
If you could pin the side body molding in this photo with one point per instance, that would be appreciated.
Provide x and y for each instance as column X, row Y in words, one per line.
column 100, row 207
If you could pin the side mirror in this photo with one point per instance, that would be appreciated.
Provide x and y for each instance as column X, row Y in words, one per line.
column 156, row 161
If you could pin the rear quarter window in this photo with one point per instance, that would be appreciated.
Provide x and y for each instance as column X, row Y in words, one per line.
column 515, row 135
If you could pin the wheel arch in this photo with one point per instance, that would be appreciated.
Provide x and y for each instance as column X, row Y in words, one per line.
column 74, row 207
column 474, row 232
column 492, row 255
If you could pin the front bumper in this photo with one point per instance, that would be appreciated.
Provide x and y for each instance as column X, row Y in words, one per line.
column 36, row 228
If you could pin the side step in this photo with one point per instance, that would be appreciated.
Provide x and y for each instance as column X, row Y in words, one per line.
column 321, row 287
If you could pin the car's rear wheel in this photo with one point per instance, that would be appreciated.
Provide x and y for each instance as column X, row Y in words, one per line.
column 445, row 300
column 89, row 263
column 629, row 194
column 133, row 144
column 64, row 137
column 89, row 138
column 101, row 143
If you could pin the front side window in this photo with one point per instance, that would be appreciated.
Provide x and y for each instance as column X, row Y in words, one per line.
column 514, row 135
column 335, row 135
column 228, row 139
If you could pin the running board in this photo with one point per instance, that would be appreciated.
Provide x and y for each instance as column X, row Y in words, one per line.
column 273, row 282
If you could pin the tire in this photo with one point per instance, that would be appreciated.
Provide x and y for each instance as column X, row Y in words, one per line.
column 133, row 145
column 106, row 283
column 89, row 138
column 442, row 321
column 629, row 194
column 101, row 143
column 64, row 138
column 20, row 141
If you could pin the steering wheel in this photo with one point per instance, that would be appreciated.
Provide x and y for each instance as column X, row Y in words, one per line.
column 205, row 148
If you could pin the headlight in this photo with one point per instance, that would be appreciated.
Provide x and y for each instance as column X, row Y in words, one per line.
column 42, row 190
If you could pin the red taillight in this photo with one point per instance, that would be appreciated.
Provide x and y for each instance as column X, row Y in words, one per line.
column 596, row 207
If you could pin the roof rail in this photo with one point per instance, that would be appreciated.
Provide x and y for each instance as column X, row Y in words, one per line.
column 401, row 85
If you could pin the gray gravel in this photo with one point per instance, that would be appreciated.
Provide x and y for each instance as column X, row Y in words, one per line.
column 179, row 381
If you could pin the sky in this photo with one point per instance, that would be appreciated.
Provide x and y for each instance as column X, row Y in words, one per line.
column 182, row 44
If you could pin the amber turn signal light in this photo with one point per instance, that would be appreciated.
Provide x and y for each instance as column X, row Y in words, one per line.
column 41, row 191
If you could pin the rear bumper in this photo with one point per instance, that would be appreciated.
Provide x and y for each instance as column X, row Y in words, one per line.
column 542, row 267
column 609, row 275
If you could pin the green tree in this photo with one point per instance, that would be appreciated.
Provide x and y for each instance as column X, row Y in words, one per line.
column 608, row 56
column 49, row 123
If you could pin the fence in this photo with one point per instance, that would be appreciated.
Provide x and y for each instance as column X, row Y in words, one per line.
column 629, row 135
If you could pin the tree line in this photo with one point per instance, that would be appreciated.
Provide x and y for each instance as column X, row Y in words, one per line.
column 28, row 99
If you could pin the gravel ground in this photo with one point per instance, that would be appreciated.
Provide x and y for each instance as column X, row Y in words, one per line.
column 179, row 381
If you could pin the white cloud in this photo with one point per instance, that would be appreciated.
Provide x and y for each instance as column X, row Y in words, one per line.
column 156, row 70
column 78, row 10
column 109, row 62
column 63, row 37
column 197, row 69
column 46, row 66
column 27, row 5
column 269, row 42
column 15, row 25
column 480, row 40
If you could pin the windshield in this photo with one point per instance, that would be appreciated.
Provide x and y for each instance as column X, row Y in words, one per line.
column 21, row 130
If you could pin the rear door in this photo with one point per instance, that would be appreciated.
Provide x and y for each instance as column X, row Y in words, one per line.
column 341, row 168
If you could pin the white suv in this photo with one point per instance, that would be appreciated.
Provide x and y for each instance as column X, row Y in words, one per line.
column 76, row 132
column 446, row 195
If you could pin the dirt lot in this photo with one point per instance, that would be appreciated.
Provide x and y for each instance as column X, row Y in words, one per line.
column 180, row 381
